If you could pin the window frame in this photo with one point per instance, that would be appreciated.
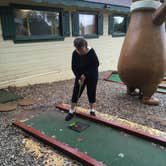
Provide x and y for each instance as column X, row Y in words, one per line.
column 111, row 28
column 75, row 23
column 22, row 39
column 89, row 13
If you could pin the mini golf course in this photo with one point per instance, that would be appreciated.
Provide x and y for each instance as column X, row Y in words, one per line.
column 113, row 76
column 94, row 141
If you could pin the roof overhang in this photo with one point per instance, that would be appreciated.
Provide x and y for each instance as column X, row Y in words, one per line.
column 85, row 4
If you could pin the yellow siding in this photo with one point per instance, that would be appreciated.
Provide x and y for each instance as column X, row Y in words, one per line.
column 31, row 63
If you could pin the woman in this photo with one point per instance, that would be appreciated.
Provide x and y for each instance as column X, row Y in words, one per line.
column 85, row 68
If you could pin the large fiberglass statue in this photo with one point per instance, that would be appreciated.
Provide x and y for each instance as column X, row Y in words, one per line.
column 142, row 62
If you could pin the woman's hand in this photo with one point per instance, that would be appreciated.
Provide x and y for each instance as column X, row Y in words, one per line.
column 82, row 79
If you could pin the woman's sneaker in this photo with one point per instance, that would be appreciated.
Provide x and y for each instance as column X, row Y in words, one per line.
column 69, row 116
column 92, row 113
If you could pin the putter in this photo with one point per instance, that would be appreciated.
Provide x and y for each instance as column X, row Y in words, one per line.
column 80, row 87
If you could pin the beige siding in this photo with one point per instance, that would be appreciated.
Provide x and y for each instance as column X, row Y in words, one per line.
column 30, row 63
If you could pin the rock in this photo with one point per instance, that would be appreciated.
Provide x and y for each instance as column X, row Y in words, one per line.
column 8, row 107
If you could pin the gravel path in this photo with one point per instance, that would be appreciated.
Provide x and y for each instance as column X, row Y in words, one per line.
column 111, row 99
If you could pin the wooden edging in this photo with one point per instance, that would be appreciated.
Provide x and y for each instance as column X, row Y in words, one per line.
column 121, row 83
column 85, row 159
column 109, row 75
column 162, row 86
column 126, row 129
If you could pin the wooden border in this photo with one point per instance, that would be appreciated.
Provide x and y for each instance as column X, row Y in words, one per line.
column 162, row 86
column 85, row 159
column 121, row 83
column 109, row 75
column 126, row 129
column 160, row 92
column 164, row 78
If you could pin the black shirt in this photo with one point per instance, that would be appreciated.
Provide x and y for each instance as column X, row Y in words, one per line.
column 85, row 64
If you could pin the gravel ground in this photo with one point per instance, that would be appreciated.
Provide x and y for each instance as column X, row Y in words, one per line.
column 111, row 99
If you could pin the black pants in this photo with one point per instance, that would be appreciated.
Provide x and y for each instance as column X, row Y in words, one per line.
column 91, row 84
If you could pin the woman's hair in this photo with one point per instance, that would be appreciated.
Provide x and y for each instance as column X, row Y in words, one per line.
column 80, row 42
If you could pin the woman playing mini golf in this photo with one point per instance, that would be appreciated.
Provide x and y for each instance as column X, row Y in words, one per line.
column 85, row 68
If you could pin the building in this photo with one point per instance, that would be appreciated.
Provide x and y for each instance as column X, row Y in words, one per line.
column 36, row 37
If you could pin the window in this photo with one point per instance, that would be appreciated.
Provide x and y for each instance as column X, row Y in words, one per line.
column 36, row 23
column 31, row 23
column 118, row 25
column 87, row 24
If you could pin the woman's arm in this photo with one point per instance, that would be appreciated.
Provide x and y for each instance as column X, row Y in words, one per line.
column 74, row 65
column 93, row 62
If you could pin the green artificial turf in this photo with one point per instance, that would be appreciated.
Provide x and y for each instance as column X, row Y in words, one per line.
column 112, row 147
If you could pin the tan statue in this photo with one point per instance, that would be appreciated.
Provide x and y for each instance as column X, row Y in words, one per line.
column 142, row 62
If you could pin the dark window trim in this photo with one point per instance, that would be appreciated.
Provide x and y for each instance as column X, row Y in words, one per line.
column 7, row 24
column 118, row 34
column 115, row 34
column 118, row 8
column 87, row 12
column 43, row 8
column 23, row 39
column 90, row 36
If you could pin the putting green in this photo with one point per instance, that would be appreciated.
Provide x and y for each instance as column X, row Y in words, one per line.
column 115, row 77
column 112, row 147
column 6, row 96
column 161, row 90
